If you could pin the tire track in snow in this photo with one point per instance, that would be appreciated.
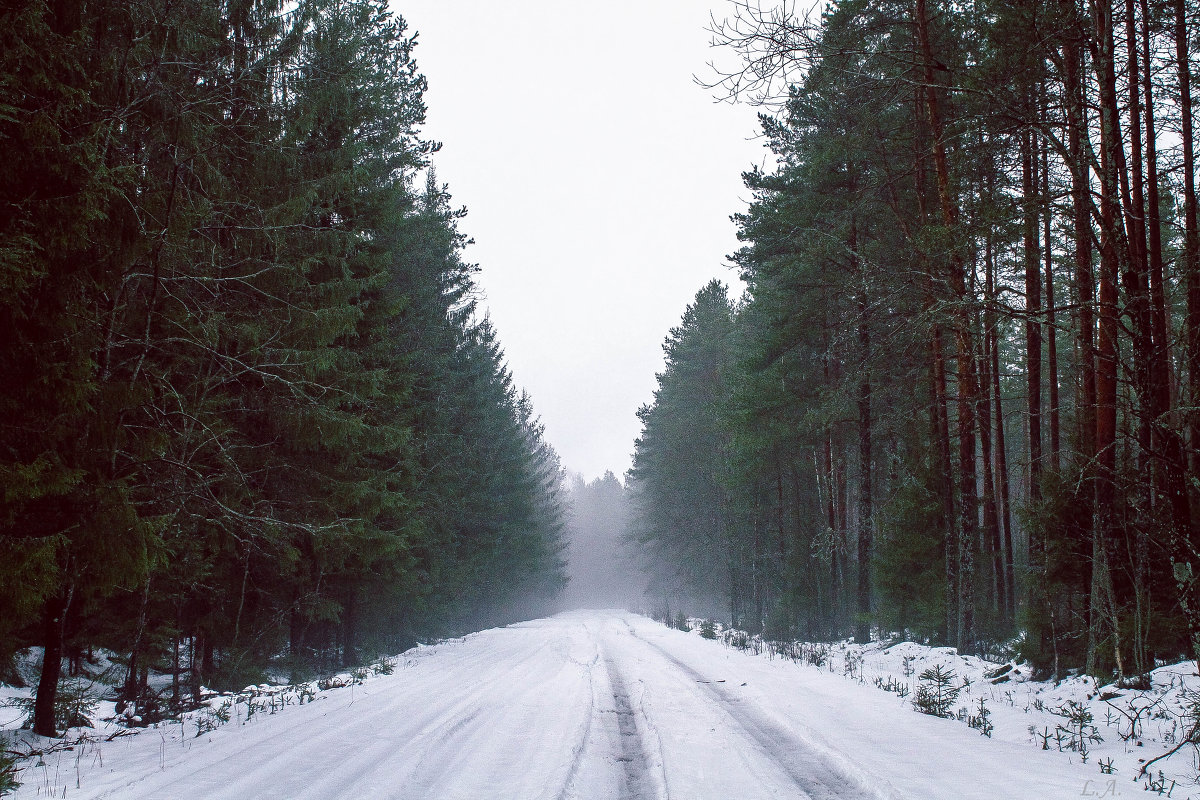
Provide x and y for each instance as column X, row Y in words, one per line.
column 439, row 745
column 501, row 753
column 584, row 741
column 637, row 784
column 334, row 730
column 813, row 772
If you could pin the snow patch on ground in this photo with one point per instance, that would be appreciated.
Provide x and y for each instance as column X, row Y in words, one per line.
column 1107, row 728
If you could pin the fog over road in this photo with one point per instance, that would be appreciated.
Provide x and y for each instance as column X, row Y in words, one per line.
column 601, row 705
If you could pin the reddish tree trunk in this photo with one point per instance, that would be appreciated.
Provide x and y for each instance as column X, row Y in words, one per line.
column 991, row 519
column 938, row 402
column 1085, row 283
column 1191, row 250
column 1078, row 147
column 1033, row 332
column 939, row 413
column 967, row 384
column 1107, row 344
column 862, row 625
column 991, row 418
column 1010, row 578
column 1160, row 369
column 1051, row 322
column 1136, row 276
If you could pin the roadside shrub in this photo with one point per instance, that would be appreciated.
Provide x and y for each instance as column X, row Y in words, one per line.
column 1079, row 729
column 209, row 719
column 936, row 692
column 815, row 654
column 982, row 720
column 8, row 769
column 739, row 640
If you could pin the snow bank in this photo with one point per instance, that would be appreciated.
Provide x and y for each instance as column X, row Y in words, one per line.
column 1111, row 730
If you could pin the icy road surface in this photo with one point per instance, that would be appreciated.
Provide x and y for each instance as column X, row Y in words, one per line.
column 600, row 705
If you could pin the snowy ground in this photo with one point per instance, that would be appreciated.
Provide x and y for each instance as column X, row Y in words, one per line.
column 604, row 705
column 1134, row 740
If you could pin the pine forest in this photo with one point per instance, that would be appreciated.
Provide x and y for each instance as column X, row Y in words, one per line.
column 959, row 400
column 256, row 421
column 250, row 413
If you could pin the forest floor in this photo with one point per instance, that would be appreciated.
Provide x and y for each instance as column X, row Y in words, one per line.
column 607, row 705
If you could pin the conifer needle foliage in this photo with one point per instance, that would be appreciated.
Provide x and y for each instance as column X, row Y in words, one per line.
column 248, row 410
column 958, row 400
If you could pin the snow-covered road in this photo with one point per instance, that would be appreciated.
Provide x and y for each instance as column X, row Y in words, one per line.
column 601, row 705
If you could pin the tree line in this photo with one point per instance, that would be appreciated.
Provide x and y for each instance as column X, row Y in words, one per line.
column 959, row 398
column 249, row 412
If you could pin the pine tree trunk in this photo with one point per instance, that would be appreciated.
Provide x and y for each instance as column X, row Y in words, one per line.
column 1051, row 336
column 1137, row 275
column 1038, row 598
column 991, row 520
column 1183, row 546
column 1010, row 573
column 993, row 537
column 843, row 534
column 1107, row 344
column 349, row 629
column 945, row 481
column 131, row 690
column 196, row 677
column 862, row 623
column 756, row 580
column 780, row 512
column 1163, row 440
column 295, row 628
column 943, row 471
column 1191, row 236
column 1007, row 577
column 176, row 662
column 1033, row 337
column 1078, row 147
column 831, row 524
column 967, row 385
column 54, row 614
column 1158, row 309
column 733, row 598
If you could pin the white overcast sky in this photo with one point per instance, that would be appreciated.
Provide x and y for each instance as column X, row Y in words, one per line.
column 599, row 181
